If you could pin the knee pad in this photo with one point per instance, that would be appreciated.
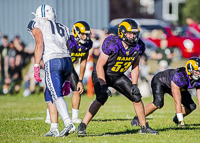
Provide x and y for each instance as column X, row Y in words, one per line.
column 102, row 99
column 136, row 98
column 159, row 103
column 193, row 107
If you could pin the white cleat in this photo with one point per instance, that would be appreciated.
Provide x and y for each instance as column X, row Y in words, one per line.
column 54, row 133
column 68, row 130
column 47, row 120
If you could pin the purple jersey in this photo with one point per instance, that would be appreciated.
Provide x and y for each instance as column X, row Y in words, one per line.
column 180, row 77
column 120, row 59
column 78, row 51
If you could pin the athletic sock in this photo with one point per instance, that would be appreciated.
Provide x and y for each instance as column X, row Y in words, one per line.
column 53, row 126
column 75, row 113
column 62, row 108
column 67, row 122
column 48, row 114
column 180, row 116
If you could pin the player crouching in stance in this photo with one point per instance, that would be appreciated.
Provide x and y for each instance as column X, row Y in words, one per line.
column 118, row 54
column 50, row 38
column 175, row 82
column 79, row 45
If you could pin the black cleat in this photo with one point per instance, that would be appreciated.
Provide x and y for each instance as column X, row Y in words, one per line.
column 175, row 120
column 82, row 129
column 146, row 129
column 181, row 124
column 135, row 121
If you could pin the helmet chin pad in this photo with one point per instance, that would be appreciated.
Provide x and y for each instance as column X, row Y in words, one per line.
column 131, row 42
column 81, row 41
column 195, row 77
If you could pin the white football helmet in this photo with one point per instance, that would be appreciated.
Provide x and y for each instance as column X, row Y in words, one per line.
column 45, row 11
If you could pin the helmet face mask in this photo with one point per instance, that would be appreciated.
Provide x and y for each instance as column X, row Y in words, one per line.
column 80, row 29
column 129, row 26
column 46, row 12
column 196, row 74
column 193, row 68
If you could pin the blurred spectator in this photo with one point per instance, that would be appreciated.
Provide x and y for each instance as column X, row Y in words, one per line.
column 96, row 51
column 21, row 55
column 105, row 32
column 3, row 51
column 14, row 77
column 144, row 68
column 162, row 65
column 12, row 51
column 163, row 53
column 191, row 23
column 156, row 34
column 29, row 80
column 144, row 77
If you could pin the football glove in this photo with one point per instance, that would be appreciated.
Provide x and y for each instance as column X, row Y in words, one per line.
column 37, row 72
column 66, row 88
column 105, row 90
column 135, row 90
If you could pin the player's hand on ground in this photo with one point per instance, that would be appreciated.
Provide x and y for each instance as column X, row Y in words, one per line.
column 135, row 90
column 37, row 72
column 80, row 88
column 105, row 90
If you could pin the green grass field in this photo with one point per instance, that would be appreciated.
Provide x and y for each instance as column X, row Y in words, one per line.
column 22, row 120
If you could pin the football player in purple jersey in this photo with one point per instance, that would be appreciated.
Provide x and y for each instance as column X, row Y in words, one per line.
column 118, row 54
column 175, row 82
column 79, row 45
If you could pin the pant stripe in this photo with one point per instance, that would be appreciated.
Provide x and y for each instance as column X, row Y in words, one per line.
column 49, row 83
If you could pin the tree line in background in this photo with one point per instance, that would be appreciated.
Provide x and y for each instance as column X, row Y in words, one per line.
column 127, row 9
column 132, row 8
column 190, row 8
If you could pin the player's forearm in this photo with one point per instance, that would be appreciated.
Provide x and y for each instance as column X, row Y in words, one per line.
column 134, row 77
column 135, row 74
column 38, row 53
column 39, row 44
column 177, row 97
column 82, row 69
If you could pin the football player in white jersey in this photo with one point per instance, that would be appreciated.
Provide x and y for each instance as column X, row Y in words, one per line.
column 79, row 45
column 50, row 38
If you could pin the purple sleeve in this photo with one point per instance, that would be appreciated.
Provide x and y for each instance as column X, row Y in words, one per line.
column 142, row 46
column 180, row 79
column 110, row 45
column 71, row 42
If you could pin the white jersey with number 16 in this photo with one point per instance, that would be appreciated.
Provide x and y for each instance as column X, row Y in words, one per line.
column 55, row 36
